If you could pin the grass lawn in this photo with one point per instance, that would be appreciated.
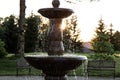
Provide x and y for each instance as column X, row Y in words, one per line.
column 8, row 67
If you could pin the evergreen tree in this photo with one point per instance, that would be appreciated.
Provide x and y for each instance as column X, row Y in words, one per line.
column 67, row 37
column 2, row 30
column 9, row 26
column 111, row 32
column 32, row 33
column 115, row 40
column 43, row 37
column 3, row 51
column 101, row 42
column 72, row 35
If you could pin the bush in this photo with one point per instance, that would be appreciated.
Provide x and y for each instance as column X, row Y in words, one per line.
column 102, row 56
column 3, row 52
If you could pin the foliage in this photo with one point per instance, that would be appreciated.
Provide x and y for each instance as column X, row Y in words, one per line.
column 2, row 30
column 102, row 56
column 71, row 35
column 66, row 37
column 75, row 1
column 9, row 33
column 2, row 33
column 32, row 33
column 36, row 32
column 115, row 40
column 43, row 43
column 101, row 42
column 3, row 52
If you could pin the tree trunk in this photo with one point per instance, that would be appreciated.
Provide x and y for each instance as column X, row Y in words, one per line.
column 21, row 39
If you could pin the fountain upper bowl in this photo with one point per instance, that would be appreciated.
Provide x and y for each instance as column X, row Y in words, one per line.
column 55, row 12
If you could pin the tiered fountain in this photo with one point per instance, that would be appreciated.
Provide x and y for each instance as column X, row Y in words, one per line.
column 55, row 65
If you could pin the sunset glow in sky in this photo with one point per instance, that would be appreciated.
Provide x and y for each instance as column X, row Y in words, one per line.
column 88, row 12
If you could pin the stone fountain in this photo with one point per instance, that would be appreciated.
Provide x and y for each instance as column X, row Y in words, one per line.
column 55, row 65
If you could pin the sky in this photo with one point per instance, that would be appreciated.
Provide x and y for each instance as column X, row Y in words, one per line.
column 88, row 13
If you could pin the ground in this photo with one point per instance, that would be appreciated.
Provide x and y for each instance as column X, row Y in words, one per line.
column 41, row 78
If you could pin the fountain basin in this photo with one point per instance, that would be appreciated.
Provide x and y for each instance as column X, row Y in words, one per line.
column 55, row 12
column 55, row 65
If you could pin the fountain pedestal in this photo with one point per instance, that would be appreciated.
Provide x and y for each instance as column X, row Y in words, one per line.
column 55, row 37
column 55, row 66
column 56, row 78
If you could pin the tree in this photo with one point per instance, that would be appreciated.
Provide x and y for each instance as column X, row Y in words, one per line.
column 101, row 42
column 32, row 33
column 111, row 32
column 72, row 35
column 21, row 40
column 115, row 40
column 75, row 1
column 67, row 37
column 2, row 30
column 43, row 43
column 3, row 51
column 9, row 26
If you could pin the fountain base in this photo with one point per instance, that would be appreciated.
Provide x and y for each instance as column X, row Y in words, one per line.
column 55, row 78
column 55, row 67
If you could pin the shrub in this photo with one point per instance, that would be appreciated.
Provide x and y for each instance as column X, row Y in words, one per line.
column 102, row 56
column 3, row 52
